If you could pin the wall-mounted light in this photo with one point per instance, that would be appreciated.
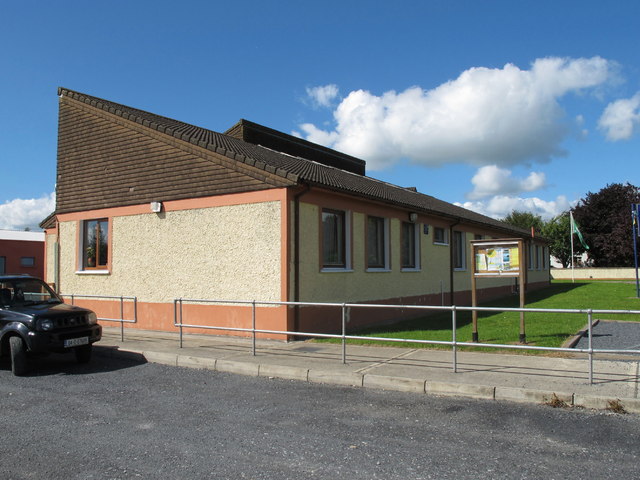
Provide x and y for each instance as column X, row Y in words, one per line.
column 413, row 217
column 156, row 207
column 425, row 229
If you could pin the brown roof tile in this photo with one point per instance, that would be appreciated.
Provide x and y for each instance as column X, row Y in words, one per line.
column 294, row 168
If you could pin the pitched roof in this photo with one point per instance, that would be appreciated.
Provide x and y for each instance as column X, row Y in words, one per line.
column 292, row 167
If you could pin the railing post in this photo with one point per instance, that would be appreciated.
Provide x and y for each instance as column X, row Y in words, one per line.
column 135, row 310
column 590, row 315
column 180, row 300
column 253, row 327
column 454, row 327
column 72, row 299
column 344, row 332
column 121, row 319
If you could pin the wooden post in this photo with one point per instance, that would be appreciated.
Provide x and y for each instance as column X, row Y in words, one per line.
column 523, row 285
column 474, row 301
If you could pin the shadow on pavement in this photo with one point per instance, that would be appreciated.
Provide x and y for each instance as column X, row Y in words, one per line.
column 66, row 364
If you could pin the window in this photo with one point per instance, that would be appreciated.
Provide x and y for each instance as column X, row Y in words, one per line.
column 545, row 256
column 409, row 246
column 95, row 244
column 459, row 250
column 27, row 261
column 440, row 235
column 377, row 243
column 538, row 259
column 335, row 231
column 530, row 255
column 3, row 263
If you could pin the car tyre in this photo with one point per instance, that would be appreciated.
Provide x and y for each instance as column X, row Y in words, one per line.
column 83, row 353
column 19, row 365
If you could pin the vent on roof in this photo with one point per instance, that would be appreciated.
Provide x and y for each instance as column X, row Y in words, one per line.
column 260, row 135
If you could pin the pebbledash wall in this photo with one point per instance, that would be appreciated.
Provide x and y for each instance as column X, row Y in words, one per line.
column 223, row 247
column 233, row 247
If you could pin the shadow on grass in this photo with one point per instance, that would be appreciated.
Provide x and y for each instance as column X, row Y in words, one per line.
column 442, row 321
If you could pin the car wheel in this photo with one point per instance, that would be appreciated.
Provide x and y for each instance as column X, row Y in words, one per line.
column 83, row 353
column 19, row 365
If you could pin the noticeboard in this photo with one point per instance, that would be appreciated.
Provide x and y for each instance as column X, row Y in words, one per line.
column 499, row 259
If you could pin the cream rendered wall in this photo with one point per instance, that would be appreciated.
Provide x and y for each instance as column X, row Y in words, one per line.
column 226, row 252
column 50, row 258
column 360, row 285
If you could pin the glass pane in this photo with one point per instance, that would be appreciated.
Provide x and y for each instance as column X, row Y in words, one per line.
column 333, row 239
column 375, row 242
column 408, row 253
column 90, row 243
column 103, row 251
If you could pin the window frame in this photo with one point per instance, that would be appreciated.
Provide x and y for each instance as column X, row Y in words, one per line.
column 382, row 243
column 344, row 242
column 101, row 264
column 445, row 236
column 413, row 252
column 32, row 264
column 459, row 249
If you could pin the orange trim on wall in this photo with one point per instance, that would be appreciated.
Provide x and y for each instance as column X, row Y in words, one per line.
column 160, row 316
column 285, row 248
column 260, row 196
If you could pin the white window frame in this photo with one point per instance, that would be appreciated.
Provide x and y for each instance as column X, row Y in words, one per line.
column 445, row 234
column 416, row 250
column 385, row 247
column 463, row 250
column 347, row 242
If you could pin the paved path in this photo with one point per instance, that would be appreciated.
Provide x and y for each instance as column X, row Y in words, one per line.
column 519, row 378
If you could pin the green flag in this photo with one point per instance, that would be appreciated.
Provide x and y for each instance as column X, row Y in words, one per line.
column 574, row 229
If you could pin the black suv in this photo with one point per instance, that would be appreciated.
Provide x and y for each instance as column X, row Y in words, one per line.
column 35, row 320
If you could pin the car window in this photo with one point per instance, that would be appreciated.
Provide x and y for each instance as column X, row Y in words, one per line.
column 28, row 291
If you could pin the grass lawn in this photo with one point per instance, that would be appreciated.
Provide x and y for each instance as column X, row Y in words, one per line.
column 543, row 329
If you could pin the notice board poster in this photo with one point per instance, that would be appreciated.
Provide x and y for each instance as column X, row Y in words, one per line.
column 497, row 260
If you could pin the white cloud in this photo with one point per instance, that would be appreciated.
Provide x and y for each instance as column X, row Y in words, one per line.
column 19, row 213
column 324, row 95
column 493, row 180
column 620, row 118
column 485, row 116
column 502, row 205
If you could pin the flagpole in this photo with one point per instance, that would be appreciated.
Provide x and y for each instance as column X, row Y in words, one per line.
column 573, row 278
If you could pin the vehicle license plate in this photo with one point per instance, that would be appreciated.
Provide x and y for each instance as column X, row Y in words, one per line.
column 75, row 342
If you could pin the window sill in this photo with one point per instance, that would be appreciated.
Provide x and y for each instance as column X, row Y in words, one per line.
column 377, row 270
column 441, row 244
column 411, row 270
column 336, row 270
column 93, row 272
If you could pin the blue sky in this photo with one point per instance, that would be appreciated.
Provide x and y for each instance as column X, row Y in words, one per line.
column 494, row 105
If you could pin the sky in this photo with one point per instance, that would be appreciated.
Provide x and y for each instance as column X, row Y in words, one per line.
column 493, row 105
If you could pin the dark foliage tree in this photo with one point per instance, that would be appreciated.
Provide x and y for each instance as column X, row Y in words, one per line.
column 604, row 219
column 525, row 220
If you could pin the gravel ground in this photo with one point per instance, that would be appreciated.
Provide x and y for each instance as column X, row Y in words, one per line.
column 121, row 420
column 613, row 335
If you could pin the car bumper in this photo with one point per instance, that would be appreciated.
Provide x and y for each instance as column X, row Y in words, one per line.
column 42, row 342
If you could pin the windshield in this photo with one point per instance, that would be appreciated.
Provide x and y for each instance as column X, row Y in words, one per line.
column 25, row 291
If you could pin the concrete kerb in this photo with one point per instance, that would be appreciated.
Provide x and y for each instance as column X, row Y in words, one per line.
column 402, row 384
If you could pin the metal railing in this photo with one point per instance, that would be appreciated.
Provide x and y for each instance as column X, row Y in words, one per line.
column 454, row 344
column 121, row 298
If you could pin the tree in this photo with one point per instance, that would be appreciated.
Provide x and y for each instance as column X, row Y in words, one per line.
column 524, row 220
column 557, row 231
column 605, row 222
